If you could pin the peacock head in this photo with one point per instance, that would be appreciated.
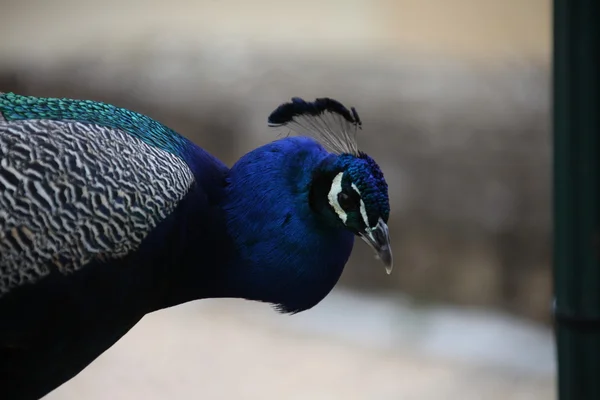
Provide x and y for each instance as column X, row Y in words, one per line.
column 348, row 189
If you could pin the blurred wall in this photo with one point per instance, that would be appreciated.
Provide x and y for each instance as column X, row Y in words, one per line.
column 454, row 96
column 484, row 29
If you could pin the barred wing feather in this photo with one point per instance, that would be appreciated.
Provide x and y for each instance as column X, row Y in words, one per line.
column 72, row 193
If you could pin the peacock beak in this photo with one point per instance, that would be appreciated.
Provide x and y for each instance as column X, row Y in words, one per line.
column 379, row 240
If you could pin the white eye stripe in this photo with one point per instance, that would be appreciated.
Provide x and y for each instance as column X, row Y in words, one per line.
column 336, row 189
column 363, row 208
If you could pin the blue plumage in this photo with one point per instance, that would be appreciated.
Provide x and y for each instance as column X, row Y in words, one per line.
column 107, row 215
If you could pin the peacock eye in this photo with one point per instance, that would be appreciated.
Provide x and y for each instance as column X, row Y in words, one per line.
column 346, row 202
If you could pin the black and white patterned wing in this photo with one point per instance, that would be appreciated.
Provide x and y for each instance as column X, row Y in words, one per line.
column 72, row 193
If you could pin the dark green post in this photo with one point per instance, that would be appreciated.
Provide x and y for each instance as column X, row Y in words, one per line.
column 577, row 197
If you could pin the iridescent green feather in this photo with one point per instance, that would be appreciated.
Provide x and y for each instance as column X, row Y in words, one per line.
column 16, row 107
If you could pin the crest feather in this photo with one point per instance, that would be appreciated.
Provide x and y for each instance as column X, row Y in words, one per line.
column 325, row 119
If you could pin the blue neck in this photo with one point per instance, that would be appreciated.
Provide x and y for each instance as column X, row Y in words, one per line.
column 283, row 247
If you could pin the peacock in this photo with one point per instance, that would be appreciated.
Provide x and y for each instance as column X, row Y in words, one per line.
column 107, row 215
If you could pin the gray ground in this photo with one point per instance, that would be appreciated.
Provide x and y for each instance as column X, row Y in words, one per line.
column 349, row 347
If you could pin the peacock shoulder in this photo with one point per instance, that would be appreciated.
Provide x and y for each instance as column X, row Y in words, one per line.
column 73, row 192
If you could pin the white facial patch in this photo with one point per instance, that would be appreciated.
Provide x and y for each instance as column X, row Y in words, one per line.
column 332, row 196
column 336, row 189
column 363, row 208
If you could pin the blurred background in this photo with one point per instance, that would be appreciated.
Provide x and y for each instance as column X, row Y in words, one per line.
column 454, row 98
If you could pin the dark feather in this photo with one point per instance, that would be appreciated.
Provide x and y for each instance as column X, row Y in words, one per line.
column 326, row 119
